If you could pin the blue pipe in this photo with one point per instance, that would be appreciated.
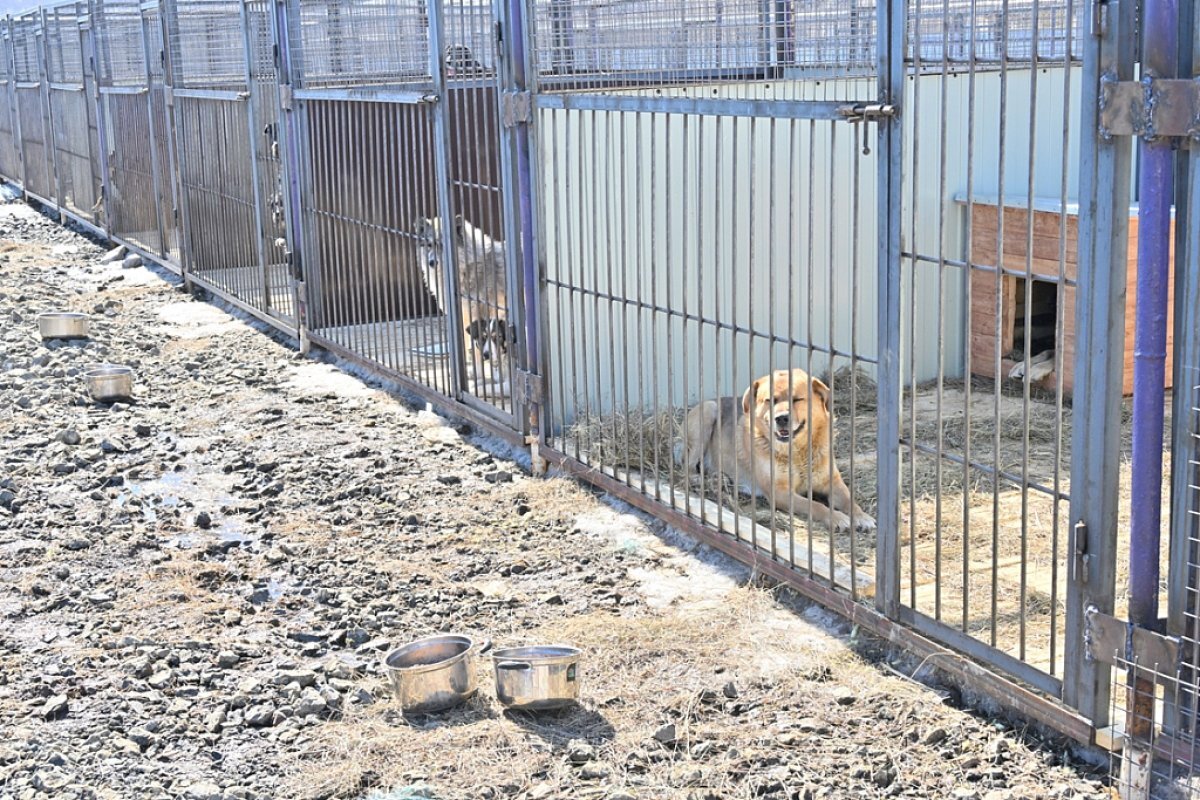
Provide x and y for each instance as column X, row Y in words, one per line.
column 516, row 45
column 1155, row 195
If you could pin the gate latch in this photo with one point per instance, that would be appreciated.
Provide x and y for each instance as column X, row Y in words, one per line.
column 1113, row 641
column 515, row 108
column 527, row 388
column 1150, row 108
column 867, row 111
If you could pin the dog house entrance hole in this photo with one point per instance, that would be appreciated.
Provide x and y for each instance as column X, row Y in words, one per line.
column 1042, row 317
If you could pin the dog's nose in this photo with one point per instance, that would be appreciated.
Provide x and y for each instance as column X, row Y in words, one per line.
column 783, row 421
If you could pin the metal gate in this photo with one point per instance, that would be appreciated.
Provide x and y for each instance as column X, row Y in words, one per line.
column 72, row 112
column 10, row 137
column 31, row 106
column 131, row 196
column 403, row 221
column 223, row 76
column 721, row 197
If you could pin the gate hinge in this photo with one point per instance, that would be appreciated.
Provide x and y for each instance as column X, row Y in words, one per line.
column 863, row 111
column 1150, row 108
column 285, row 96
column 1119, row 643
column 527, row 388
column 515, row 108
column 1081, row 562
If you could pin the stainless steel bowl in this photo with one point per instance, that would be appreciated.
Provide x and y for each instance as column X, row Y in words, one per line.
column 537, row 678
column 109, row 383
column 63, row 325
column 434, row 673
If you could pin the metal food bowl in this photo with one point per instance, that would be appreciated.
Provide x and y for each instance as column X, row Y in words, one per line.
column 537, row 678
column 63, row 325
column 435, row 673
column 109, row 383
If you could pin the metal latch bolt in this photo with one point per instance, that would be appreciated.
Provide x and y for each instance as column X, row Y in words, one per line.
column 516, row 108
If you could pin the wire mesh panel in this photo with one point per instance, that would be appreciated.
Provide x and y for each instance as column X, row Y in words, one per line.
column 132, row 199
column 31, row 105
column 75, row 145
column 991, row 232
column 344, row 44
column 207, row 47
column 10, row 155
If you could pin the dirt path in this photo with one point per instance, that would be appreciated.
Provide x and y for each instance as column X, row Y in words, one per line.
column 196, row 590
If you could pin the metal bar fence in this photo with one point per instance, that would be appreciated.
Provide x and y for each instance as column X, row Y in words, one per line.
column 697, row 238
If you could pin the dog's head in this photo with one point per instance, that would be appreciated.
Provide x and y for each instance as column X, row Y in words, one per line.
column 789, row 407
column 491, row 336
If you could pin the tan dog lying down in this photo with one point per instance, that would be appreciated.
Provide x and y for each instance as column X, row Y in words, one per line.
column 765, row 443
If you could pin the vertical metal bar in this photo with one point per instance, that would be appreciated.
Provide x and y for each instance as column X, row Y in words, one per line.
column 54, row 174
column 1099, row 312
column 441, row 148
column 291, row 170
column 252, row 125
column 155, row 163
column 890, row 15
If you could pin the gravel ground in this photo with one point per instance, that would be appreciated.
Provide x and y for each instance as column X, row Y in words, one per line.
column 196, row 589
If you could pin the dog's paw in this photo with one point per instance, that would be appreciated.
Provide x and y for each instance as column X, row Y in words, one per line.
column 864, row 523
column 839, row 521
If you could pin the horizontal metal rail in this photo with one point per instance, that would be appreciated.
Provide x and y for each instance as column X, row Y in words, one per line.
column 698, row 106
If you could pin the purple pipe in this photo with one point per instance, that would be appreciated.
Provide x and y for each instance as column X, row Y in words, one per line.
column 1155, row 196
column 525, row 190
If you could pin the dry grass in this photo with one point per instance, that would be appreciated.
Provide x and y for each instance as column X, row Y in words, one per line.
column 638, row 673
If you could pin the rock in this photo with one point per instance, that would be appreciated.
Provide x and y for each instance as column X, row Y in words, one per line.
column 666, row 734
column 214, row 720
column 227, row 659
column 311, row 703
column 260, row 716
column 70, row 437
column 594, row 772
column 580, row 752
column 551, row 599
column 304, row 677
column 55, row 708
column 131, row 262
column 730, row 690
column 845, row 697
column 141, row 736
column 142, row 429
column 203, row 521
column 883, row 777
column 934, row 736
column 620, row 795
column 204, row 790
column 50, row 780
column 161, row 679
column 123, row 745
column 114, row 255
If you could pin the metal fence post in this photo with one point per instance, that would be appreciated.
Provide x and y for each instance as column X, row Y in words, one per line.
column 252, row 123
column 441, row 149
column 54, row 174
column 890, row 16
column 1104, row 180
column 289, row 170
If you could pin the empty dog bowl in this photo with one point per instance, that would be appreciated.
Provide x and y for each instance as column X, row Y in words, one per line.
column 63, row 325
column 434, row 673
column 537, row 678
column 109, row 383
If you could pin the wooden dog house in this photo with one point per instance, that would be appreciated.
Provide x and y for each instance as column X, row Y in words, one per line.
column 1050, row 301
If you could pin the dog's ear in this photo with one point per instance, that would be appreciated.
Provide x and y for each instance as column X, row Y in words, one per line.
column 822, row 392
column 749, row 396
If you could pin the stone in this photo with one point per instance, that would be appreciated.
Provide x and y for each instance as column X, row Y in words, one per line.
column 70, row 437
column 131, row 262
column 580, row 752
column 55, row 708
column 204, row 790
column 666, row 734
column 227, row 659
column 203, row 521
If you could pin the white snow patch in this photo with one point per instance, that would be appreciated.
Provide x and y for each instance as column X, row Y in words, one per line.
column 192, row 320
column 317, row 378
